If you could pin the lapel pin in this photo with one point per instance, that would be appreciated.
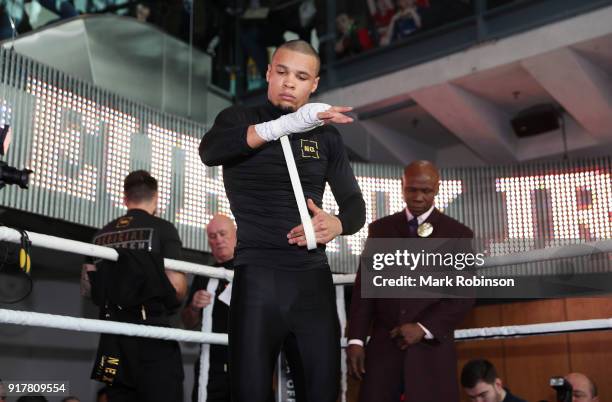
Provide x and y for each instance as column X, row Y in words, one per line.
column 425, row 229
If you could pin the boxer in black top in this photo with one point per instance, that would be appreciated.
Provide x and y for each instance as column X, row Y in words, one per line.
column 283, row 293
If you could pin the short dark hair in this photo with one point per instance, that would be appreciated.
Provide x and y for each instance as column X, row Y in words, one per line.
column 301, row 46
column 70, row 398
column 478, row 370
column 139, row 186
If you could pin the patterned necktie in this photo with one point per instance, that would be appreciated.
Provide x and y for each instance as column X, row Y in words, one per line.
column 413, row 226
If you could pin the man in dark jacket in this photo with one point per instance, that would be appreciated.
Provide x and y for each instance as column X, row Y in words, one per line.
column 412, row 339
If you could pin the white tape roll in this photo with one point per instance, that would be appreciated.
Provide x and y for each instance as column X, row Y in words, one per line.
column 311, row 240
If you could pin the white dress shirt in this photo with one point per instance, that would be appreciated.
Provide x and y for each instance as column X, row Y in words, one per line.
column 420, row 219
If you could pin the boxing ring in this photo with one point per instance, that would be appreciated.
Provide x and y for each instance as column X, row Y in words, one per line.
column 206, row 337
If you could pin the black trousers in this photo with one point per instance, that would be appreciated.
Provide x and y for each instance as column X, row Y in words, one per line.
column 155, row 370
column 273, row 308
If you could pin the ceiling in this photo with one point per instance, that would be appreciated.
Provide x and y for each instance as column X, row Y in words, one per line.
column 457, row 110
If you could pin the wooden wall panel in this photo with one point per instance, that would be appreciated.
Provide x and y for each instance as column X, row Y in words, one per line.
column 591, row 352
column 526, row 364
column 531, row 361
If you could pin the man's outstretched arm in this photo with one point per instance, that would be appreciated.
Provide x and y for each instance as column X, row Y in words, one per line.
column 232, row 136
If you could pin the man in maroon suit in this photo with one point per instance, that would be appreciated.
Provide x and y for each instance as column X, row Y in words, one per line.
column 412, row 345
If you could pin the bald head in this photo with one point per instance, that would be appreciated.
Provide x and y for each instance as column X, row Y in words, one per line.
column 220, row 219
column 417, row 168
column 221, row 233
column 420, row 184
column 585, row 390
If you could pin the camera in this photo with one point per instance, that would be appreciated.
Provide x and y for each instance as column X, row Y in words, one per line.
column 9, row 174
column 563, row 388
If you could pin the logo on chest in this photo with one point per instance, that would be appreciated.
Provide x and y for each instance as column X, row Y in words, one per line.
column 310, row 149
column 124, row 222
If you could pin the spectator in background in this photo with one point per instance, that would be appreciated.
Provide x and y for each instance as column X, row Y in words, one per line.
column 142, row 12
column 481, row 383
column 382, row 12
column 221, row 233
column 405, row 21
column 584, row 389
column 351, row 39
column 13, row 13
column 211, row 34
column 209, row 20
column 264, row 24
column 63, row 8
column 13, row 10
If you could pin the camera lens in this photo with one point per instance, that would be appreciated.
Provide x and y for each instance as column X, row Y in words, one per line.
column 11, row 175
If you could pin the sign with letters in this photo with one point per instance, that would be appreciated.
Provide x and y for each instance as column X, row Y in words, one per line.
column 81, row 142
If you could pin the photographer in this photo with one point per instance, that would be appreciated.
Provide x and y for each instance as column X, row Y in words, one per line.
column 583, row 388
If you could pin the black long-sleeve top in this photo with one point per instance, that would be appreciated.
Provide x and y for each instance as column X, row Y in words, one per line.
column 259, row 189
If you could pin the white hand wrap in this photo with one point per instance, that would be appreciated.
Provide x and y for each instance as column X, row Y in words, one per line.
column 304, row 119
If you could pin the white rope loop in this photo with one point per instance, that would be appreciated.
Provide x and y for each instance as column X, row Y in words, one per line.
column 311, row 240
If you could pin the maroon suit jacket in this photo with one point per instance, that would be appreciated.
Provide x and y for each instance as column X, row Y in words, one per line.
column 439, row 316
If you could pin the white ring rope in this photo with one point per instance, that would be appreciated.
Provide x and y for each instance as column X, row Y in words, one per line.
column 29, row 318
column 311, row 240
column 34, row 319
column 91, row 250
column 533, row 329
column 550, row 253
column 108, row 253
